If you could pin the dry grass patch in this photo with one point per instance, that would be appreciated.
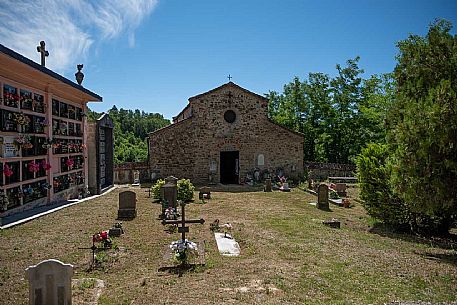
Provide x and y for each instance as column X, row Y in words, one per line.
column 287, row 255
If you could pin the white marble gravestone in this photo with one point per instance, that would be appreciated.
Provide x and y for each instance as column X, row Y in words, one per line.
column 50, row 283
column 136, row 177
column 227, row 245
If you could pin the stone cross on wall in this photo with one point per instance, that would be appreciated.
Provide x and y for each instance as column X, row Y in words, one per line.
column 44, row 53
column 183, row 229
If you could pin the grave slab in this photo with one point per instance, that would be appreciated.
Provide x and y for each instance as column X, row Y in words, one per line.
column 227, row 246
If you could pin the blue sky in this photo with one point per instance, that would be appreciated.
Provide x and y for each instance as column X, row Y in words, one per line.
column 155, row 54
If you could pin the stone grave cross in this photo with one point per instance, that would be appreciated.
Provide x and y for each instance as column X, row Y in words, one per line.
column 44, row 53
column 183, row 229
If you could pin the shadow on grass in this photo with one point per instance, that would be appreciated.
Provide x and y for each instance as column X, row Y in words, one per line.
column 449, row 258
column 233, row 188
column 447, row 242
column 182, row 269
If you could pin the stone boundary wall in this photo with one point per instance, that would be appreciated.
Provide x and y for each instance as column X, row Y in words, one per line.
column 123, row 173
column 322, row 171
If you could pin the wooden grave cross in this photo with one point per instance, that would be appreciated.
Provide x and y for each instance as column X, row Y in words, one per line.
column 183, row 229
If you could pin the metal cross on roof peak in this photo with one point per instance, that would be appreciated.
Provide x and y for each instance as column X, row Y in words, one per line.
column 44, row 53
column 229, row 77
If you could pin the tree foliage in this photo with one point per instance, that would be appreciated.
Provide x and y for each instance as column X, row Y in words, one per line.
column 131, row 129
column 338, row 116
column 373, row 172
column 423, row 123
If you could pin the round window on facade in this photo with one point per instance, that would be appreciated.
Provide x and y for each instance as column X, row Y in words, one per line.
column 230, row 116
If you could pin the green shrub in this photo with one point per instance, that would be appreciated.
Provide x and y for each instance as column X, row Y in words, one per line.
column 155, row 189
column 373, row 171
column 185, row 190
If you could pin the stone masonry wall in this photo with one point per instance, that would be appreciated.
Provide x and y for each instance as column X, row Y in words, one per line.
column 171, row 150
column 124, row 173
column 187, row 148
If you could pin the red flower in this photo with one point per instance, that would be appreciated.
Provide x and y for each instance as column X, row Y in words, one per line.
column 70, row 162
column 46, row 166
column 33, row 167
column 7, row 171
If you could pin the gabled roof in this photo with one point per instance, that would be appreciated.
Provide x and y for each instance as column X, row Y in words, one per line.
column 285, row 128
column 181, row 112
column 45, row 70
column 229, row 84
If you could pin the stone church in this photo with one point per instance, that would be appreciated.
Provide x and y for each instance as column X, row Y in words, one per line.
column 224, row 135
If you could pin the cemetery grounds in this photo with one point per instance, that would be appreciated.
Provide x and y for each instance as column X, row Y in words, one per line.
column 287, row 255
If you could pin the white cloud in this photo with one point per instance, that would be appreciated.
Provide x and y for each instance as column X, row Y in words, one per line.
column 69, row 27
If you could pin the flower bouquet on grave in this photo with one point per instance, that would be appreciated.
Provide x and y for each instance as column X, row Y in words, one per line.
column 44, row 123
column 26, row 101
column 24, row 142
column 18, row 195
column 10, row 99
column 28, row 191
column 33, row 167
column 7, row 171
column 21, row 119
column 46, row 186
column 184, row 251
column 70, row 163
column 38, row 104
column 103, row 238
column 284, row 186
column 214, row 227
column 63, row 128
column 171, row 213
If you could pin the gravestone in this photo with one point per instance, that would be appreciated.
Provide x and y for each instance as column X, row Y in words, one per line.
column 136, row 177
column 322, row 197
column 333, row 223
column 204, row 193
column 116, row 230
column 340, row 189
column 127, row 205
column 268, row 186
column 170, row 191
column 49, row 283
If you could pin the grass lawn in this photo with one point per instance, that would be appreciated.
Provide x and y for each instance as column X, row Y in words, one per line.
column 287, row 255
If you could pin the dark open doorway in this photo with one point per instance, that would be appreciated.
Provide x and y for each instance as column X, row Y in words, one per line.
column 229, row 167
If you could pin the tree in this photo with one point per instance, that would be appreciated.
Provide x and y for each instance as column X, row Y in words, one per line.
column 131, row 129
column 423, row 124
column 338, row 116
column 373, row 172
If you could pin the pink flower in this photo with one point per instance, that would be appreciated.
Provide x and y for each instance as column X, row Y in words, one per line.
column 70, row 162
column 7, row 171
column 33, row 167
column 46, row 166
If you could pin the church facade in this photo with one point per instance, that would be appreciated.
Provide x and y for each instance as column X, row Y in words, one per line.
column 224, row 136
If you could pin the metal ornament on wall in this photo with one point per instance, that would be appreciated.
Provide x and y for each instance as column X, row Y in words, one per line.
column 79, row 75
